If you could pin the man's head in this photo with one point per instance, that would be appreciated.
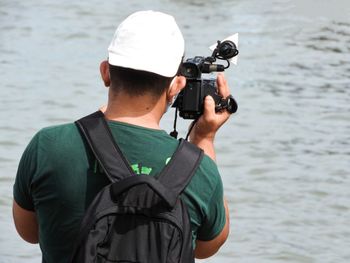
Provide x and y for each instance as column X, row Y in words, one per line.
column 145, row 53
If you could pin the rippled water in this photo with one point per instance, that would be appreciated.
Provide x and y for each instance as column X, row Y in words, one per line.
column 284, row 157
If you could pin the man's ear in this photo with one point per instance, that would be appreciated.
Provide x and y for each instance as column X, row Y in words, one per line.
column 176, row 85
column 104, row 70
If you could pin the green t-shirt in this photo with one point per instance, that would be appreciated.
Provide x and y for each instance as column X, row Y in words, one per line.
column 58, row 178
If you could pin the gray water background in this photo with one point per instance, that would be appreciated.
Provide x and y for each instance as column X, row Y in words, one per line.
column 284, row 157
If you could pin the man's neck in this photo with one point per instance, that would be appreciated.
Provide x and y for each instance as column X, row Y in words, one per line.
column 144, row 111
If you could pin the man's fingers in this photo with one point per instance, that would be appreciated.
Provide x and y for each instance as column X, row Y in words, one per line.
column 222, row 85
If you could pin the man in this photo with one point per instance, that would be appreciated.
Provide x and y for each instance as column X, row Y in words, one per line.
column 58, row 177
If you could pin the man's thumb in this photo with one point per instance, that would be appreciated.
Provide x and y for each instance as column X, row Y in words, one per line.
column 209, row 106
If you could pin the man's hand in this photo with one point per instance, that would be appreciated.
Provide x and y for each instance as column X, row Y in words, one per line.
column 208, row 124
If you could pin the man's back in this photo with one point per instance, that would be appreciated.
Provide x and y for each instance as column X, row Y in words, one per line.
column 58, row 178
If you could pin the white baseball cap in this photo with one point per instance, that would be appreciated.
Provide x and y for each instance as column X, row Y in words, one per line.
column 149, row 41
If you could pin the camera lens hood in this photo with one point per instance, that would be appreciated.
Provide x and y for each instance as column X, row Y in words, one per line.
column 231, row 104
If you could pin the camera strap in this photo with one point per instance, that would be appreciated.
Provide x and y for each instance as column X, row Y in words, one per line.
column 174, row 133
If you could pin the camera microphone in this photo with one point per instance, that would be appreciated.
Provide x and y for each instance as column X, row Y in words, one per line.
column 207, row 68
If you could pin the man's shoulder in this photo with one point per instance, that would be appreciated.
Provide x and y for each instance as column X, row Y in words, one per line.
column 58, row 131
column 58, row 137
column 206, row 180
column 209, row 169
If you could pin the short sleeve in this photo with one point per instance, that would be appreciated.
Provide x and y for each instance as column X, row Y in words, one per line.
column 26, row 170
column 215, row 219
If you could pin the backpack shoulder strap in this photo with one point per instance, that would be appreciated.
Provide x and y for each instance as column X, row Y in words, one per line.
column 183, row 164
column 95, row 130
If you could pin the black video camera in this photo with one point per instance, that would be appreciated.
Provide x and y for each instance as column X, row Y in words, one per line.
column 190, row 101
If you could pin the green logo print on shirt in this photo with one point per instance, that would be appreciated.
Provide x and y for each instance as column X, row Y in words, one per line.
column 137, row 168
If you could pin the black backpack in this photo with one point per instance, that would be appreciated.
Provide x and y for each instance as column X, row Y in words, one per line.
column 136, row 218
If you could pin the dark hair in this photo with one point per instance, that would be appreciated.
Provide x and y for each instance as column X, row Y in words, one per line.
column 137, row 82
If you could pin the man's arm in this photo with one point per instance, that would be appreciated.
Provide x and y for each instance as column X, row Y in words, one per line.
column 26, row 223
column 205, row 249
column 203, row 135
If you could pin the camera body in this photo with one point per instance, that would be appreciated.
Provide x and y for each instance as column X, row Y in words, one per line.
column 190, row 101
